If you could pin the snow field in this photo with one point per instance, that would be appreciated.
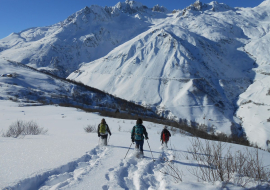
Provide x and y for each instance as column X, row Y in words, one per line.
column 69, row 158
column 61, row 157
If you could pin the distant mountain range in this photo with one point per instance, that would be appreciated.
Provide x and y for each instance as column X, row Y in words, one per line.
column 208, row 63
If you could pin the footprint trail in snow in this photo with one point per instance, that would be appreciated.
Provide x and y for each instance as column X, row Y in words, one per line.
column 102, row 168
column 72, row 178
column 142, row 173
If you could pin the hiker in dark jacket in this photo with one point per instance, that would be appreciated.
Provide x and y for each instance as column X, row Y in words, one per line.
column 137, row 135
column 103, row 131
column 165, row 135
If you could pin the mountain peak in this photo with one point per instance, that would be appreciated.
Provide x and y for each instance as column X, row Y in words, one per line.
column 130, row 7
column 212, row 6
column 158, row 8
column 134, row 3
column 215, row 6
column 198, row 5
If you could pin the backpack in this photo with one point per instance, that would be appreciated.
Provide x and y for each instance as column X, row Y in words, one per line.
column 103, row 128
column 165, row 136
column 138, row 132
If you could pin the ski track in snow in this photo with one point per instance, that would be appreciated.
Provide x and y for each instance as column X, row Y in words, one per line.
column 138, row 173
column 65, row 175
column 131, row 173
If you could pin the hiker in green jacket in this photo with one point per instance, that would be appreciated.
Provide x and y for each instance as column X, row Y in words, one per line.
column 137, row 135
column 103, row 131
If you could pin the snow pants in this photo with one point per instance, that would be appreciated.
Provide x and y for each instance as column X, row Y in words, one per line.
column 165, row 142
column 104, row 139
column 139, row 145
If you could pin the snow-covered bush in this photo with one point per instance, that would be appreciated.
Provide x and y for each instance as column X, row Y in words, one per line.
column 22, row 128
column 90, row 129
column 32, row 128
column 216, row 162
column 15, row 129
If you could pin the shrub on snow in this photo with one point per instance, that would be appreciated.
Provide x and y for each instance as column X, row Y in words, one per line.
column 22, row 128
column 216, row 162
column 90, row 129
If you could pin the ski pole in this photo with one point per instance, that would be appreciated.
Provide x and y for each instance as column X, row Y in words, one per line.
column 128, row 149
column 150, row 149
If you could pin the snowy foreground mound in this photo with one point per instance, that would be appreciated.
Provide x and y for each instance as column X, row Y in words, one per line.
column 208, row 63
column 69, row 158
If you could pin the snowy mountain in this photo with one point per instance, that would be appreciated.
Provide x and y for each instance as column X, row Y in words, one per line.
column 194, row 65
column 87, row 35
column 207, row 63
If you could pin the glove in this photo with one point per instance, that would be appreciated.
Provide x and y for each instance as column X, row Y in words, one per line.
column 98, row 135
column 146, row 138
column 110, row 134
column 132, row 140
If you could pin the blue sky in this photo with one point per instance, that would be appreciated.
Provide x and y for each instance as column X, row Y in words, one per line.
column 17, row 15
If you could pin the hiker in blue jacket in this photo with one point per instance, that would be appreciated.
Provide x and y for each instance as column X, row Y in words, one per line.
column 137, row 135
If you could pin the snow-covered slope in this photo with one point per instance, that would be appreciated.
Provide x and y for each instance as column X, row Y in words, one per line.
column 31, row 87
column 69, row 158
column 254, row 103
column 169, row 68
column 187, row 66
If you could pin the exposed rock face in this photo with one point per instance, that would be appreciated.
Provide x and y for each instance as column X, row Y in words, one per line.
column 198, row 5
column 158, row 8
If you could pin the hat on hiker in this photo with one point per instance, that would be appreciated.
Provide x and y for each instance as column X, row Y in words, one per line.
column 103, row 121
column 139, row 121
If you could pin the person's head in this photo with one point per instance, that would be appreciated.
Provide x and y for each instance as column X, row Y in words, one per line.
column 139, row 121
column 165, row 127
column 103, row 121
